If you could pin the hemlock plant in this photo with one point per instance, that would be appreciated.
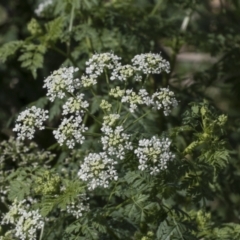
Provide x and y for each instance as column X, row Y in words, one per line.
column 119, row 178
column 120, row 167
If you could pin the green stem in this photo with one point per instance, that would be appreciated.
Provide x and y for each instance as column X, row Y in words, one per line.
column 85, row 119
column 91, row 115
column 71, row 18
column 119, row 107
column 121, row 204
column 125, row 119
column 157, row 6
column 69, row 56
column 138, row 119
column 93, row 93
column 112, row 192
column 41, row 234
column 92, row 134
column 50, row 128
column 106, row 76
column 88, row 39
column 90, row 45
column 107, row 79
column 69, row 30
column 144, row 81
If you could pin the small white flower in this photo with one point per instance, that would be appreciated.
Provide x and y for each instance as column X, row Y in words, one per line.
column 110, row 119
column 115, row 142
column 164, row 99
column 60, row 82
column 153, row 154
column 135, row 99
column 70, row 131
column 29, row 120
column 105, row 105
column 88, row 80
column 75, row 105
column 123, row 72
column 145, row 97
column 116, row 92
column 98, row 62
column 97, row 169
column 151, row 63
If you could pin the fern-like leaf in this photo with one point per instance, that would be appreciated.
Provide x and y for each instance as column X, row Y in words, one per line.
column 32, row 57
column 9, row 49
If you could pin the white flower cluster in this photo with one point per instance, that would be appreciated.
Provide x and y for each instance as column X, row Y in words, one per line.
column 115, row 142
column 153, row 154
column 98, row 62
column 151, row 63
column 60, row 82
column 88, row 80
column 75, row 105
column 116, row 92
column 164, row 99
column 146, row 98
column 97, row 169
column 135, row 99
column 77, row 208
column 28, row 121
column 110, row 119
column 27, row 222
column 122, row 73
column 42, row 6
column 105, row 105
column 70, row 131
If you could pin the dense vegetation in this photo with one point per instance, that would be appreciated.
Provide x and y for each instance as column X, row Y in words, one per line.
column 138, row 106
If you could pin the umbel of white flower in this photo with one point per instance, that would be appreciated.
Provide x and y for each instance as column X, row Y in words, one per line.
column 98, row 62
column 164, row 99
column 115, row 142
column 60, row 82
column 88, row 81
column 70, row 131
column 25, row 222
column 154, row 154
column 30, row 120
column 151, row 63
column 75, row 105
column 97, row 170
column 122, row 73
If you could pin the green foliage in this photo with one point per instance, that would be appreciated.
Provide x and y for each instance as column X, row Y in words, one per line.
column 54, row 30
column 32, row 57
column 9, row 49
column 20, row 187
